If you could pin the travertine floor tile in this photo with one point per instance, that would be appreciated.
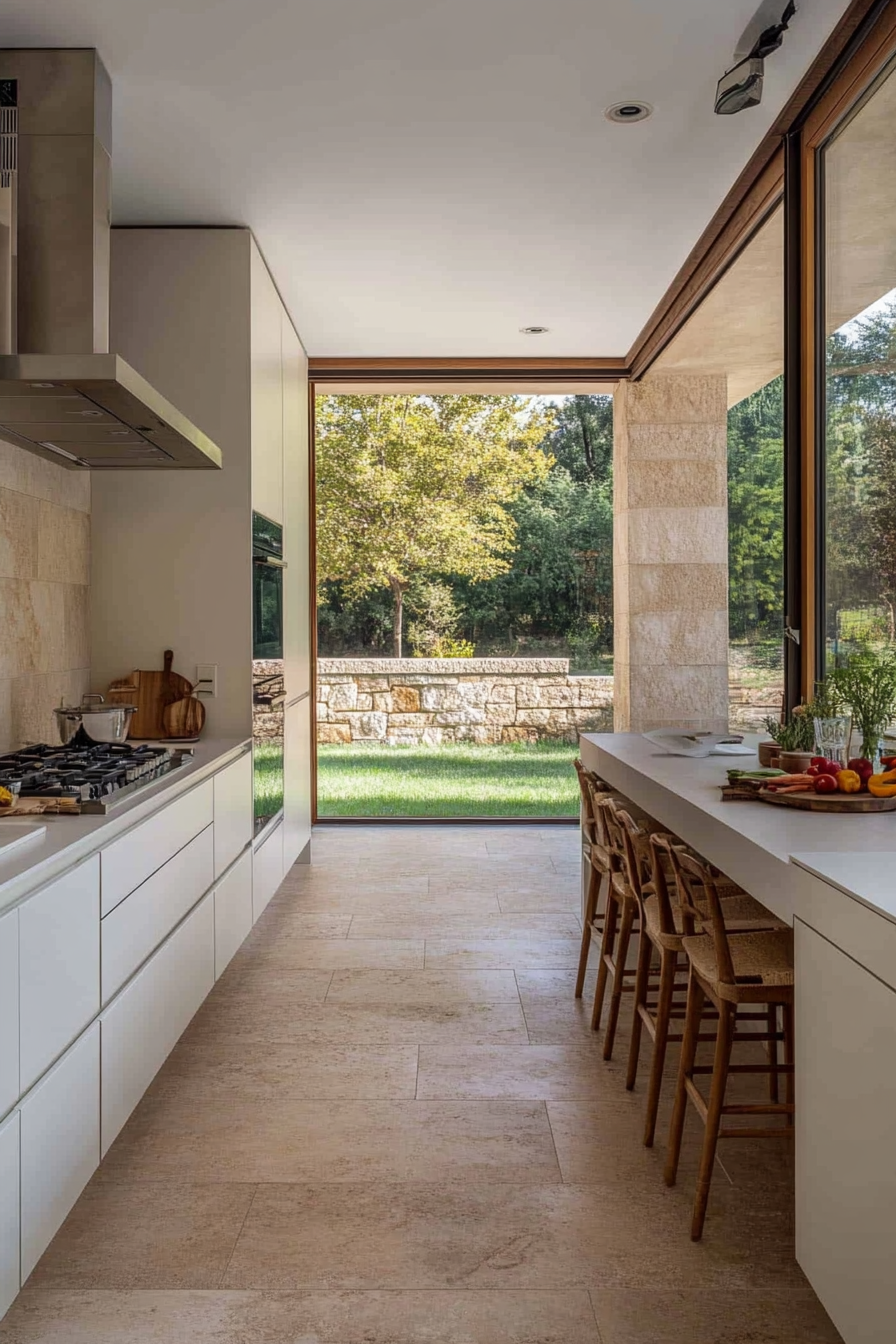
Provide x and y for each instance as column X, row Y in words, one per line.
column 440, row 923
column 425, row 987
column 228, row 1317
column 370, row 1024
column 535, row 1071
column 556, row 1021
column 299, row 921
column 336, row 954
column 219, row 1071
column 175, row 1235
column 516, row 953
column 378, row 1141
column 465, row 1235
column 255, row 978
column 558, row 982
column 738, row 1317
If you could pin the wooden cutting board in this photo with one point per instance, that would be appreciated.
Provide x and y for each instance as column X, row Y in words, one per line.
column 829, row 802
column 185, row 718
column 150, row 691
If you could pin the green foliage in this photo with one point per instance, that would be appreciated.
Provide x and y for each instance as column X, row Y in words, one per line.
column 582, row 440
column 795, row 733
column 867, row 684
column 432, row 633
column 756, row 513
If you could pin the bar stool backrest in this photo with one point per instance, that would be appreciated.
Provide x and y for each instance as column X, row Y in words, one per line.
column 636, row 851
column 662, row 869
column 696, row 878
column 589, row 785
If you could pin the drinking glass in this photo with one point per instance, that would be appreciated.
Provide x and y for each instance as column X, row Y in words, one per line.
column 831, row 737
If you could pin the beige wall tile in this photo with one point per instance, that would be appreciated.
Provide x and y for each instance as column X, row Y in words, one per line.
column 6, row 738
column 678, row 483
column 675, row 399
column 35, row 476
column 76, row 638
column 33, row 626
column 684, row 587
column 35, row 697
column 18, row 535
column 663, row 536
column 63, row 544
column 679, row 637
column 697, row 442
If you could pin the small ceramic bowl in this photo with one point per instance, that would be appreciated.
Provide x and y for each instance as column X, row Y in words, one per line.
column 768, row 753
column 795, row 762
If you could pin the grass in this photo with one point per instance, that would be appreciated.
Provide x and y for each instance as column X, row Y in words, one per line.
column 456, row 780
column 268, row 779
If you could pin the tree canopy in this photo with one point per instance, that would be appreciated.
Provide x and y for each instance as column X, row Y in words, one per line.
column 413, row 485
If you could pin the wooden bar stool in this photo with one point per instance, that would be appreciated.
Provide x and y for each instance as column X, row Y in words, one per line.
column 753, row 968
column 665, row 921
column 596, row 854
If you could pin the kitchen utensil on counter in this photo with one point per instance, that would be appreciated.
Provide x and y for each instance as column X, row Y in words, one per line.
column 93, row 722
column 184, row 718
column 151, row 691
column 679, row 742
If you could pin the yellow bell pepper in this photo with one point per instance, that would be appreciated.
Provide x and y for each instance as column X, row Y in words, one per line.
column 849, row 781
column 883, row 785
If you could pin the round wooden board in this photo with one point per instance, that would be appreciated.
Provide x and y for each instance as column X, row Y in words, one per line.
column 829, row 802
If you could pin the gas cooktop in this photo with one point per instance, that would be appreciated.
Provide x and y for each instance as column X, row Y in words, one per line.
column 95, row 778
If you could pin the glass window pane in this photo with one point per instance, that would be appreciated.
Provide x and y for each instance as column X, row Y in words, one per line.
column 859, row 541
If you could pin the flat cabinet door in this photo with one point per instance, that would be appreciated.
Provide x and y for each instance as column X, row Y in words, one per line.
column 233, row 911
column 233, row 811
column 10, row 1270
column 142, row 921
column 267, row 870
column 59, row 967
column 129, row 861
column 267, row 393
column 60, row 1144
column 140, row 1029
column 9, row 1010
column 296, row 781
column 296, row 513
column 845, row 1164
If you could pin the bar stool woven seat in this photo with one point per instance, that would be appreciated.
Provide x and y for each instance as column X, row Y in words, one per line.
column 761, row 961
column 742, row 913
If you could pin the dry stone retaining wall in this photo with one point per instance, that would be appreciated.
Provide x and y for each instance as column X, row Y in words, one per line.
column 406, row 701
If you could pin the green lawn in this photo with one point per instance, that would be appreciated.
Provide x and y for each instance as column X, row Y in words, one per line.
column 456, row 780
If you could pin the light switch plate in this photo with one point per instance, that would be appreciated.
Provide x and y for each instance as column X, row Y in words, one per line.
column 207, row 679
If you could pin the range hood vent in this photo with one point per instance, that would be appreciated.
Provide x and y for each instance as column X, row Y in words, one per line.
column 62, row 394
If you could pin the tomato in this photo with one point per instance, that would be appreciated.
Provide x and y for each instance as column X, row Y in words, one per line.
column 814, row 770
column 818, row 760
column 825, row 783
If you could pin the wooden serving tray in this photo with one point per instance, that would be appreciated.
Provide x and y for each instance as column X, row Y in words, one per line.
column 42, row 807
column 829, row 802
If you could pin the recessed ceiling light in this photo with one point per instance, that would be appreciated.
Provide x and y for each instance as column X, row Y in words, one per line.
column 534, row 331
column 629, row 111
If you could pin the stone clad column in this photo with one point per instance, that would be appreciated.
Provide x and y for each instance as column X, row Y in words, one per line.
column 670, row 553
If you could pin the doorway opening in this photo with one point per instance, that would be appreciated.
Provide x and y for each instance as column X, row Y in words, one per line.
column 464, row 600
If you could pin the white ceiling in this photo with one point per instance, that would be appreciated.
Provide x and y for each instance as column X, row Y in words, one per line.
column 427, row 176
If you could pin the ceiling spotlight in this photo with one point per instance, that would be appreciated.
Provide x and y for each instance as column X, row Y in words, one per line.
column 629, row 111
column 534, row 331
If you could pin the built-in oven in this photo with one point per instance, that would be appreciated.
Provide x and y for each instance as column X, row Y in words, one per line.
column 268, row 690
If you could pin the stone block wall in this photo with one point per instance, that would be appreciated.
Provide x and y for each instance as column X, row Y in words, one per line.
column 406, row 701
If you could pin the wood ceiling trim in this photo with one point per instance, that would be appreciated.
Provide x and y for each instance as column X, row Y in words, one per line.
column 749, row 202
column 338, row 369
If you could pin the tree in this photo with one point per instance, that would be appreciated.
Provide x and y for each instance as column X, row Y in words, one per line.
column 412, row 485
column 582, row 440
column 756, row 512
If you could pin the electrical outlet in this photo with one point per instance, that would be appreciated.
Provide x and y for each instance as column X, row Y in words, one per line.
column 207, row 679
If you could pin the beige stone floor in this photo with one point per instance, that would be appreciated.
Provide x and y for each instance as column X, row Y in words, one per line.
column 391, row 1124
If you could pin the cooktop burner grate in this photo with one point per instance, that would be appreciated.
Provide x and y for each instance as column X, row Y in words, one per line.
column 95, row 778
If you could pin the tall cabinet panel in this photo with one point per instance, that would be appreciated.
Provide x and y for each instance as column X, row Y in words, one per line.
column 297, row 781
column 9, row 1010
column 296, row 615
column 267, row 393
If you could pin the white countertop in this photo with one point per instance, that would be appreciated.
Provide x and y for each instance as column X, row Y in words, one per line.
column 753, row 842
column 68, row 840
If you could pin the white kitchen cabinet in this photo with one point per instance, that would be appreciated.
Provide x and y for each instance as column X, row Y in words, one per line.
column 140, row 852
column 267, row 870
column 233, row 911
column 233, row 811
column 60, row 1142
column 10, row 1269
column 296, row 780
column 140, row 1028
column 296, row 511
column 9, row 1010
column 143, row 920
column 266, row 393
column 59, row 967
column 845, row 1108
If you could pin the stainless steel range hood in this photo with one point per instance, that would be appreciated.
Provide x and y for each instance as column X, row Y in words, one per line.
column 62, row 394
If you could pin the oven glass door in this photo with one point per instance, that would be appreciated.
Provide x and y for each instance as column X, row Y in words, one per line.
column 268, row 691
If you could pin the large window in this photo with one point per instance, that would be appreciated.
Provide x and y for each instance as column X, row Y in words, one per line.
column 858, row 518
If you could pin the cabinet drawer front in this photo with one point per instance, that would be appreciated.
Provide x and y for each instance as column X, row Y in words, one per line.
column 9, row 1010
column 143, row 920
column 233, row 811
column 141, row 1027
column 10, row 1275
column 59, row 967
column 267, row 871
column 233, row 911
column 136, row 856
column 60, row 1144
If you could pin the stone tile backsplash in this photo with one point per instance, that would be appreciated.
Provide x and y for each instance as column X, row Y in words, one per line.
column 44, row 593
